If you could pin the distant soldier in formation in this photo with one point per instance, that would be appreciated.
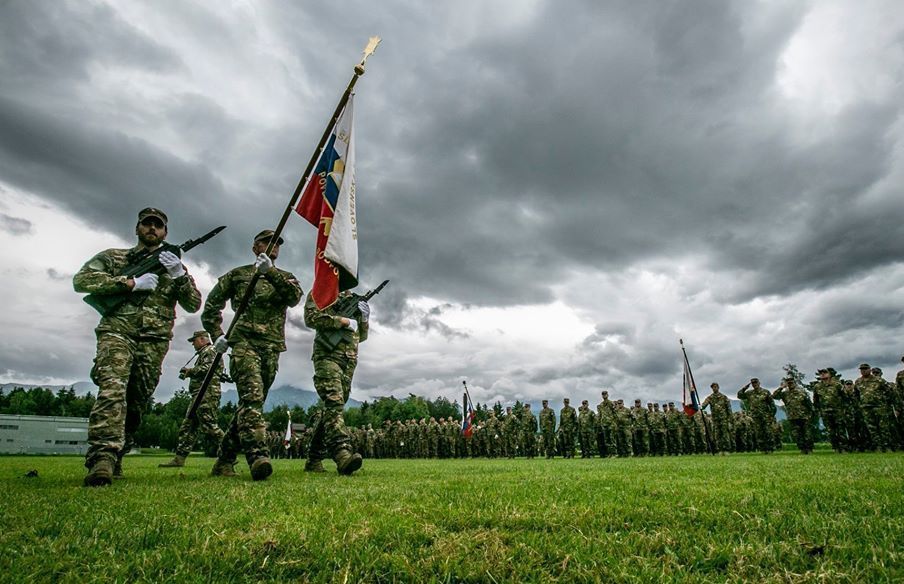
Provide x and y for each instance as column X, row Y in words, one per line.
column 132, row 340
column 205, row 418
column 548, row 428
column 586, row 429
column 511, row 427
column 568, row 421
column 656, row 419
column 830, row 404
column 720, row 408
column 640, row 429
column 528, row 432
column 673, row 430
column 605, row 421
column 624, row 428
column 799, row 411
column 761, row 407
column 874, row 401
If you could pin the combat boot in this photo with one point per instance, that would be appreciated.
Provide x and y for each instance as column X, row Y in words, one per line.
column 346, row 462
column 221, row 468
column 177, row 462
column 101, row 474
column 261, row 469
column 314, row 466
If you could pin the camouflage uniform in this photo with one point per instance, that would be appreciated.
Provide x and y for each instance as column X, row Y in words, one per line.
column 640, row 429
column 205, row 418
column 720, row 408
column 568, row 421
column 548, row 428
column 657, row 431
column 333, row 371
column 799, row 410
column 624, row 425
column 528, row 431
column 761, row 407
column 673, row 430
column 605, row 426
column 586, row 429
column 256, row 340
column 511, row 433
column 132, row 341
column 874, row 403
column 829, row 402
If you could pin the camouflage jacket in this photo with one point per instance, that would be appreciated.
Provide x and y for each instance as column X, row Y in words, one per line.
column 873, row 391
column 797, row 403
column 639, row 416
column 529, row 422
column 828, row 396
column 605, row 413
column 548, row 419
column 263, row 324
column 586, row 419
column 759, row 401
column 719, row 406
column 656, row 420
column 567, row 418
column 327, row 319
column 145, row 315
column 197, row 373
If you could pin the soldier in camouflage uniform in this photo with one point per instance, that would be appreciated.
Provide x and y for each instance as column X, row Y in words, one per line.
column 761, row 407
column 333, row 371
column 640, row 429
column 605, row 426
column 568, row 421
column 657, row 430
column 528, row 431
column 132, row 341
column 720, row 408
column 205, row 418
column 257, row 340
column 874, row 403
column 548, row 428
column 511, row 433
column 829, row 403
column 673, row 430
column 586, row 429
column 624, row 426
column 799, row 411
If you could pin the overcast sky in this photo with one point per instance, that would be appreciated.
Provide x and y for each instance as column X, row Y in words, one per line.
column 558, row 190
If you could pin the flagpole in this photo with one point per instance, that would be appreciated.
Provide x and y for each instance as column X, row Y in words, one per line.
column 690, row 373
column 246, row 298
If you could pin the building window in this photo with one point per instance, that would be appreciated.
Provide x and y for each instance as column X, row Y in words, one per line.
column 48, row 441
column 72, row 442
column 9, row 427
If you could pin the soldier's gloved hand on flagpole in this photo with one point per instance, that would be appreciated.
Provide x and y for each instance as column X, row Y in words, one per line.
column 364, row 308
column 145, row 282
column 352, row 324
column 172, row 263
column 263, row 263
column 221, row 344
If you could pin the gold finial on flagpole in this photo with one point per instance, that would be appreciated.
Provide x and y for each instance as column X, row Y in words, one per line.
column 368, row 51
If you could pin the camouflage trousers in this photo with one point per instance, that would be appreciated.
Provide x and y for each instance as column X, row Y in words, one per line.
column 528, row 444
column 566, row 435
column 605, row 440
column 549, row 443
column 126, row 372
column 205, row 419
column 763, row 435
column 586, row 439
column 641, row 442
column 801, row 432
column 721, row 437
column 878, row 427
column 253, row 369
column 836, row 430
column 673, row 441
column 624, row 441
column 333, row 382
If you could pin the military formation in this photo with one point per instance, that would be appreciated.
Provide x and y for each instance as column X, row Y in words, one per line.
column 134, row 335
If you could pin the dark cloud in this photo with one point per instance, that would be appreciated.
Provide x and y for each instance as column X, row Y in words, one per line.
column 15, row 225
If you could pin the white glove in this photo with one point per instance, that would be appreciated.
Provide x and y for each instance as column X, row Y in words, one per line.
column 172, row 263
column 221, row 345
column 145, row 283
column 263, row 263
column 353, row 324
column 365, row 310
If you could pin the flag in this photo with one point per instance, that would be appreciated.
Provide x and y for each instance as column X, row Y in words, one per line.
column 328, row 203
column 287, row 441
column 689, row 388
column 467, row 421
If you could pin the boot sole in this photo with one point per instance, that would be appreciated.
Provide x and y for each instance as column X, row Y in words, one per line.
column 352, row 466
column 262, row 471
column 98, row 481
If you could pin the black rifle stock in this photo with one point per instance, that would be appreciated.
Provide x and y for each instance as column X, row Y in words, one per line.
column 145, row 263
column 348, row 308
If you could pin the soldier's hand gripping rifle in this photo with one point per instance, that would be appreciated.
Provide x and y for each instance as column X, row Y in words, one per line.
column 145, row 262
column 348, row 308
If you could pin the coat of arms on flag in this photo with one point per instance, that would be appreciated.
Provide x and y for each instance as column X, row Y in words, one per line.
column 328, row 203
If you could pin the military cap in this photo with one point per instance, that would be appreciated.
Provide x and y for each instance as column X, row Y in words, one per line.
column 821, row 371
column 637, row 401
column 566, row 400
column 877, row 370
column 754, row 380
column 546, row 401
column 714, row 384
column 526, row 406
column 671, row 403
column 197, row 334
column 266, row 235
column 152, row 212
column 863, row 366
column 848, row 382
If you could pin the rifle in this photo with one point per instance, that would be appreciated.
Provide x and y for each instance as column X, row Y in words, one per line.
column 143, row 263
column 347, row 307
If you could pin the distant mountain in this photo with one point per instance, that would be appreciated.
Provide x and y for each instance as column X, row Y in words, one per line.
column 287, row 395
column 81, row 387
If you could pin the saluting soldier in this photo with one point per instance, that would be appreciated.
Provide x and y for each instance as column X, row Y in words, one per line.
column 762, row 411
column 257, row 339
column 205, row 418
column 132, row 340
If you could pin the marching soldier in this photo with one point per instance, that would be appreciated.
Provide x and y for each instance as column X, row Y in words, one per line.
column 874, row 401
column 257, row 340
column 205, row 418
column 132, row 340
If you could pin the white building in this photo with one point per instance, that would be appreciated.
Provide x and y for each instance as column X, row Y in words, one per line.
column 43, row 435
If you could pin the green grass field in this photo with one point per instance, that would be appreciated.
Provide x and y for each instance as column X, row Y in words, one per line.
column 783, row 517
